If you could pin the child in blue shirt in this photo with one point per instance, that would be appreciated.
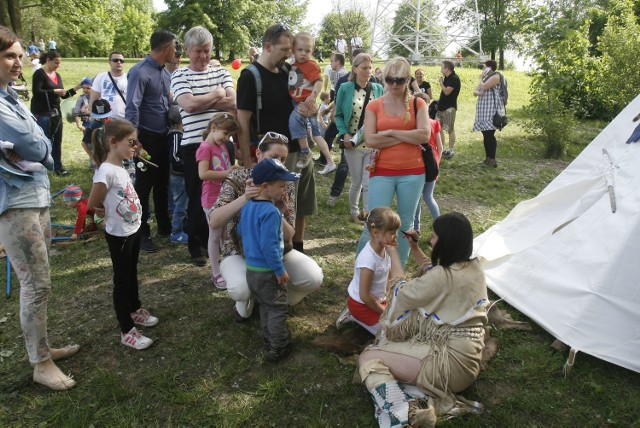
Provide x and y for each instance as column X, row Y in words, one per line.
column 260, row 229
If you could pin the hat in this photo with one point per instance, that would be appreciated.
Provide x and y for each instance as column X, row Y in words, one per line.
column 100, row 109
column 86, row 81
column 270, row 170
column 72, row 193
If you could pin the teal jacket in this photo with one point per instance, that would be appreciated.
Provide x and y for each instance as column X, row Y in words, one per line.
column 344, row 103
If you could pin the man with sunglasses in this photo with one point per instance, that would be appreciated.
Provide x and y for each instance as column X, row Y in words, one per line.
column 147, row 109
column 274, row 116
column 110, row 84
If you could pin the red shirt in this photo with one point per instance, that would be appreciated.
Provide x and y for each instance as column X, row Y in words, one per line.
column 301, row 79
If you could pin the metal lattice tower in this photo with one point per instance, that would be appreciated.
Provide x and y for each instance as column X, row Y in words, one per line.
column 436, row 36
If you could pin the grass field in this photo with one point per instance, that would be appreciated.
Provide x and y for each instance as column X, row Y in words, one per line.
column 206, row 370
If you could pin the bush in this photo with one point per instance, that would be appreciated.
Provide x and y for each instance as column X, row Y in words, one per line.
column 551, row 119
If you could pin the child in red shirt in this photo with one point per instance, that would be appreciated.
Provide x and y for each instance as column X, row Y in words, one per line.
column 72, row 197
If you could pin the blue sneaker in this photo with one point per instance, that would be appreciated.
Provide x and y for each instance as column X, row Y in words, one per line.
column 179, row 238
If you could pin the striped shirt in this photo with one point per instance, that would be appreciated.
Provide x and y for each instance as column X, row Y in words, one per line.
column 187, row 81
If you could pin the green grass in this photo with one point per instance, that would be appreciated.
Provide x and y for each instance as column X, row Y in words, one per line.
column 206, row 370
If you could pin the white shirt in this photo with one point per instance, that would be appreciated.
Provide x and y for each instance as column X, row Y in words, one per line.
column 356, row 42
column 187, row 81
column 379, row 265
column 103, row 85
column 122, row 209
column 341, row 45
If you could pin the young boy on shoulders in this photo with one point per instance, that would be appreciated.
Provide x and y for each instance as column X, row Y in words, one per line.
column 261, row 231
column 305, row 83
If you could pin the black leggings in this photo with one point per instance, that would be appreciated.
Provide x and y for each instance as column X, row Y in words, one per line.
column 490, row 143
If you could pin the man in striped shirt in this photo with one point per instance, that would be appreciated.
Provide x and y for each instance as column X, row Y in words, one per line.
column 201, row 90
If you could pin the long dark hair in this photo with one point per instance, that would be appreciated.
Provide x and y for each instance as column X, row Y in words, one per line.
column 455, row 240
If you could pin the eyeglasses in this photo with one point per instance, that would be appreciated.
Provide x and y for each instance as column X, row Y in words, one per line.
column 133, row 142
column 273, row 136
column 397, row 80
column 121, row 61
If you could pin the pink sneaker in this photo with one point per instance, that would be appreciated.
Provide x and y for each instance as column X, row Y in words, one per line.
column 134, row 339
column 144, row 318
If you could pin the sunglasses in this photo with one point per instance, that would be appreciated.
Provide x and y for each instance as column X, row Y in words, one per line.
column 121, row 61
column 272, row 136
column 133, row 142
column 397, row 80
column 280, row 29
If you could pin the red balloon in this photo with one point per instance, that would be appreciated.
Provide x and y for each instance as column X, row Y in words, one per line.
column 236, row 63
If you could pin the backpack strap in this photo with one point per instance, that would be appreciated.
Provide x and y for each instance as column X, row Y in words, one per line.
column 256, row 75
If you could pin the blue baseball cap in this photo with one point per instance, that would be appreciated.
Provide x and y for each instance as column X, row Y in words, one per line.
column 86, row 81
column 270, row 170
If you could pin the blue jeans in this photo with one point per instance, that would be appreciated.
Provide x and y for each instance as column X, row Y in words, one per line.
column 408, row 189
column 434, row 209
column 180, row 199
column 298, row 124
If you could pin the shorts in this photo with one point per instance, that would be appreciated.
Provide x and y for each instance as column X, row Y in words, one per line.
column 447, row 119
column 298, row 125
column 306, row 203
column 362, row 312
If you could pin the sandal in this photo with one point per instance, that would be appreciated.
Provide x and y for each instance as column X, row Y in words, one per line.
column 219, row 282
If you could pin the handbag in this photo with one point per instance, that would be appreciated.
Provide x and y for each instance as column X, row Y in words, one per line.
column 429, row 159
column 499, row 119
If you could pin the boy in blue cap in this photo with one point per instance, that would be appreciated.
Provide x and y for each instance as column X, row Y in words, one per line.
column 260, row 228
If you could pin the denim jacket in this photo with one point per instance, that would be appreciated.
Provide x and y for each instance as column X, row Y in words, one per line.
column 19, row 127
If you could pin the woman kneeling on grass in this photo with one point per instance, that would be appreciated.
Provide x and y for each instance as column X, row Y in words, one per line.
column 432, row 331
column 25, row 224
column 305, row 275
column 114, row 198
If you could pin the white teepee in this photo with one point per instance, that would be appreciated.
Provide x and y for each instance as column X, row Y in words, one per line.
column 570, row 257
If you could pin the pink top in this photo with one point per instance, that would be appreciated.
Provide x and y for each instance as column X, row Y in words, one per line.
column 219, row 160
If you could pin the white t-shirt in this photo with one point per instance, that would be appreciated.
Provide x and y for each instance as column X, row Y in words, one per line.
column 103, row 85
column 122, row 209
column 380, row 267
column 327, row 72
column 187, row 81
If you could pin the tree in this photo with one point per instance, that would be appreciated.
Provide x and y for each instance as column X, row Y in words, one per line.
column 499, row 23
column 134, row 28
column 347, row 20
column 235, row 24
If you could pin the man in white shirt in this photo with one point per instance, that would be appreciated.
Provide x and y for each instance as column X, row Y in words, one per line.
column 112, row 86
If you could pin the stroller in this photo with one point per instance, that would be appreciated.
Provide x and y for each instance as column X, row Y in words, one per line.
column 20, row 86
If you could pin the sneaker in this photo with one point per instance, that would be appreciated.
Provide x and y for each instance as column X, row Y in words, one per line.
column 219, row 282
column 134, row 339
column 330, row 167
column 332, row 201
column 147, row 245
column 304, row 160
column 447, row 154
column 180, row 238
column 343, row 318
column 144, row 318
column 236, row 316
column 61, row 172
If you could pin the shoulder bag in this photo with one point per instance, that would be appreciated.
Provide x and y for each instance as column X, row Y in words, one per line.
column 429, row 159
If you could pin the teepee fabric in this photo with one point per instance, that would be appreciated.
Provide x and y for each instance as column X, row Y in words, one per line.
column 570, row 257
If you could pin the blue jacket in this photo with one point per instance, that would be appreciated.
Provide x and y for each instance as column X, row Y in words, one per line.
column 344, row 103
column 18, row 126
column 260, row 229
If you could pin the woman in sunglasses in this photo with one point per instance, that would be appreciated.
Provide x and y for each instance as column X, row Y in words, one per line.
column 395, row 125
column 45, row 104
column 25, row 224
column 305, row 275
